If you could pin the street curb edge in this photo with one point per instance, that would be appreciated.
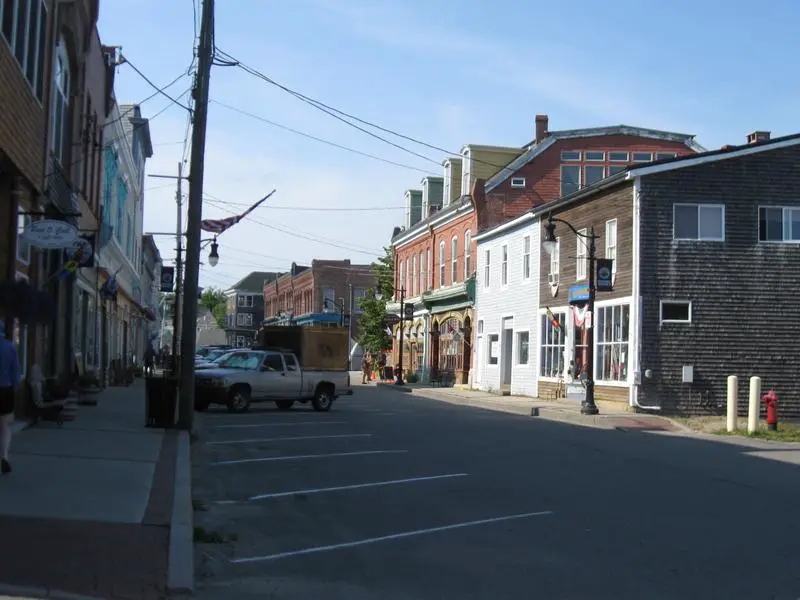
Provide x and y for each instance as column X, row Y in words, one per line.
column 39, row 593
column 180, row 561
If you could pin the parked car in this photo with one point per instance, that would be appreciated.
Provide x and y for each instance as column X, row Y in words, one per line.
column 247, row 376
column 209, row 361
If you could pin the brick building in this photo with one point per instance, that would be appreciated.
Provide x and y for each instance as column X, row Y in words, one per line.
column 324, row 293
column 55, row 84
column 435, row 251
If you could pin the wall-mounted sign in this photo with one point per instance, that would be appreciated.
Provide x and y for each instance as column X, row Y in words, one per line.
column 409, row 311
column 579, row 293
column 167, row 278
column 50, row 234
column 605, row 275
column 81, row 250
column 391, row 320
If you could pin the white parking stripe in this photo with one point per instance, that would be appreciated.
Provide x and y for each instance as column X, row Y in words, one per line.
column 290, row 439
column 357, row 486
column 386, row 538
column 243, row 425
column 303, row 456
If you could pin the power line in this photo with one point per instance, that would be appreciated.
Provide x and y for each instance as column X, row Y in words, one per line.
column 322, row 140
column 306, row 208
column 151, row 84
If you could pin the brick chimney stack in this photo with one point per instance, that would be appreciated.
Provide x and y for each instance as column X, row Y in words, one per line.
column 758, row 136
column 541, row 127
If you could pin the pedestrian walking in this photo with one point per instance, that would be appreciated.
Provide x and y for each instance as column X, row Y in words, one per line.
column 365, row 369
column 149, row 360
column 9, row 381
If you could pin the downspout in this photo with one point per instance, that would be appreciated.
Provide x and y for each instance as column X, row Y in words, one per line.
column 636, row 300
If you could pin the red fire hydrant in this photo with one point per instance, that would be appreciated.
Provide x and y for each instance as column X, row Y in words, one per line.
column 771, row 400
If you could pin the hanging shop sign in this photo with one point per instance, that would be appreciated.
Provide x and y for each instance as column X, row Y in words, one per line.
column 605, row 275
column 50, row 234
column 167, row 278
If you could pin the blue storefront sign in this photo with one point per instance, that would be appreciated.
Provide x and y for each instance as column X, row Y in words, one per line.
column 578, row 293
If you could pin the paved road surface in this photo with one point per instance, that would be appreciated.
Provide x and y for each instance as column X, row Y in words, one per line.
column 391, row 496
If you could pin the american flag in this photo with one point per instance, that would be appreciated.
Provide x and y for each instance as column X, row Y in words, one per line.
column 217, row 226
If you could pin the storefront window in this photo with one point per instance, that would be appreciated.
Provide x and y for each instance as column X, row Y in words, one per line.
column 553, row 344
column 21, row 341
column 612, row 343
column 451, row 349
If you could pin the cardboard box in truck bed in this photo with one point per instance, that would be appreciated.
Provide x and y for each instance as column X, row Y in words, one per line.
column 317, row 348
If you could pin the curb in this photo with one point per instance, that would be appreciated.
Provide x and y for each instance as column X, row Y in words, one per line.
column 180, row 561
column 34, row 593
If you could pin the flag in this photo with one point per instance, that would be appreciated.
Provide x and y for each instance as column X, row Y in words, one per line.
column 552, row 318
column 217, row 226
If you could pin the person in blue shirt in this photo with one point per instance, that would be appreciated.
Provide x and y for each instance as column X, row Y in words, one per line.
column 9, row 381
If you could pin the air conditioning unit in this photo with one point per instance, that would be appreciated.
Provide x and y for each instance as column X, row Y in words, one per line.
column 552, row 278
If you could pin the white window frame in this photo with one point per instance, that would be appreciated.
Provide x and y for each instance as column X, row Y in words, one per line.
column 611, row 242
column 544, row 347
column 586, row 169
column 421, row 271
column 698, row 207
column 526, row 257
column 248, row 319
column 566, row 153
column 599, row 343
column 504, row 265
column 489, row 356
column 666, row 155
column 32, row 42
column 661, row 319
column 642, row 154
column 407, row 282
column 786, row 225
column 402, row 279
column 561, row 181
column 429, row 269
column 467, row 254
column 581, row 256
column 413, row 290
column 23, row 222
column 620, row 152
column 487, row 266
column 518, row 183
column 62, row 79
column 240, row 319
column 466, row 171
column 442, row 261
column 328, row 298
column 587, row 153
column 518, row 347
column 454, row 260
column 555, row 263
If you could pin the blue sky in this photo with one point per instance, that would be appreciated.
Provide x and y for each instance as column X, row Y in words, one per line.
column 448, row 73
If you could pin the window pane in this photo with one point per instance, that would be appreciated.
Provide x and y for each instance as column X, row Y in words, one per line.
column 618, row 156
column 794, row 220
column 570, row 179
column 674, row 311
column 770, row 224
column 21, row 39
column 32, row 43
column 612, row 170
column 593, row 174
column 8, row 19
column 665, row 155
column 642, row 156
column 570, row 155
column 594, row 155
column 685, row 227
column 712, row 226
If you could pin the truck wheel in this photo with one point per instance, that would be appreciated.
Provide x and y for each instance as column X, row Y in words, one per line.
column 239, row 399
column 284, row 404
column 323, row 399
column 201, row 405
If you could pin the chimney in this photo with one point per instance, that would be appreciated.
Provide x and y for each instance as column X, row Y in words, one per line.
column 541, row 127
column 758, row 136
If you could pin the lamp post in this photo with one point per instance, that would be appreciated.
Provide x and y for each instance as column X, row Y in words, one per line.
column 588, row 406
column 399, row 380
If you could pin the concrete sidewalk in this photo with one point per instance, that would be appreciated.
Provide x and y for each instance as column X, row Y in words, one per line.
column 90, row 505
column 612, row 415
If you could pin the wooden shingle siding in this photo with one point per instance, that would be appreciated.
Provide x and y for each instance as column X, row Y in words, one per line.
column 744, row 294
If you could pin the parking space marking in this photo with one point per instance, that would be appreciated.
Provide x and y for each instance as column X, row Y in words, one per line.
column 304, row 456
column 284, row 424
column 291, row 439
column 357, row 486
column 390, row 537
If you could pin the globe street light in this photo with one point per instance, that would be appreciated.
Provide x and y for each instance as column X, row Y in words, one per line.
column 549, row 245
column 213, row 256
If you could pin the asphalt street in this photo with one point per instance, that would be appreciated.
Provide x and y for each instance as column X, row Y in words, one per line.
column 394, row 496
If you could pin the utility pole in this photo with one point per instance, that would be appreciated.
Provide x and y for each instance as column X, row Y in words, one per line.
column 176, row 307
column 194, row 217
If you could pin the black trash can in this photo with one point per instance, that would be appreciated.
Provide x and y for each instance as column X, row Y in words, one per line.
column 161, row 401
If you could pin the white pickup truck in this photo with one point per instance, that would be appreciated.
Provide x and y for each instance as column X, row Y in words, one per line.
column 248, row 376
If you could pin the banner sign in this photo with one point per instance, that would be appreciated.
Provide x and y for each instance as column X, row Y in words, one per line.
column 167, row 278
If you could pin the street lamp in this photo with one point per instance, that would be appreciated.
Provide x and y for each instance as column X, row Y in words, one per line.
column 549, row 244
column 213, row 256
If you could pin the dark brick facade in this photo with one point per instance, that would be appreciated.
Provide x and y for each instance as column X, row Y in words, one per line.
column 744, row 294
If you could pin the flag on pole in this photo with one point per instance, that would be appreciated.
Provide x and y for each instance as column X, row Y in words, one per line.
column 217, row 226
column 552, row 318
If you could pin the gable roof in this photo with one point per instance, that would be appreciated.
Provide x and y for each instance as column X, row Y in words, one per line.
column 634, row 171
column 534, row 149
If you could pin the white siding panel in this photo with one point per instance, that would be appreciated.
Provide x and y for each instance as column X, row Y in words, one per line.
column 519, row 299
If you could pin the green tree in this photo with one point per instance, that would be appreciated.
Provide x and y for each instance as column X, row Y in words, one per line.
column 215, row 301
column 373, row 337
